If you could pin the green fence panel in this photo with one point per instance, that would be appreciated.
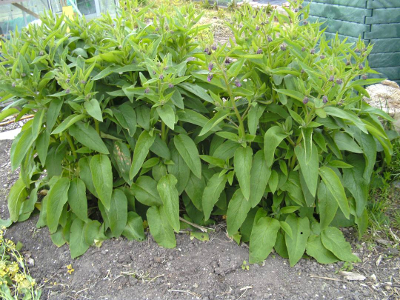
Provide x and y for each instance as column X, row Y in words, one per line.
column 375, row 21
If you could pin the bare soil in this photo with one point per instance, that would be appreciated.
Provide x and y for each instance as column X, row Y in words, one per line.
column 122, row 269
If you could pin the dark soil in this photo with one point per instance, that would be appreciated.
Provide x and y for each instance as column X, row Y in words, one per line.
column 121, row 269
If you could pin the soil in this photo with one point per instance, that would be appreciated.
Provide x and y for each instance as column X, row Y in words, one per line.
column 214, row 269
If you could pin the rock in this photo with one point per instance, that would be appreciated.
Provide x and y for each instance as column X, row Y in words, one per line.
column 386, row 96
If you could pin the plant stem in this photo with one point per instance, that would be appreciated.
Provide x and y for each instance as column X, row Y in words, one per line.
column 71, row 144
column 96, row 124
column 163, row 132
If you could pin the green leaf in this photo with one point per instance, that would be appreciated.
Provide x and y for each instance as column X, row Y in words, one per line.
column 194, row 189
column 101, row 170
column 15, row 198
column 309, row 169
column 272, row 138
column 20, row 147
column 77, row 198
column 237, row 211
column 291, row 93
column 141, row 150
column 354, row 182
column 134, row 227
column 91, row 231
column 167, row 115
column 8, row 112
column 179, row 169
column 196, row 90
column 86, row 175
column 42, row 146
column 346, row 143
column 143, row 117
column 316, row 249
column 93, row 109
column 192, row 117
column 333, row 240
column 160, row 228
column 335, row 187
column 242, row 165
column 327, row 205
column 145, row 191
column 286, row 228
column 126, row 117
column 188, row 150
column 160, row 148
column 226, row 150
column 214, row 121
column 296, row 244
column 88, row 136
column 118, row 212
column 263, row 238
column 77, row 242
column 53, row 112
column 57, row 197
column 367, row 143
column 170, row 198
column 122, row 158
column 68, row 122
column 346, row 115
column 211, row 193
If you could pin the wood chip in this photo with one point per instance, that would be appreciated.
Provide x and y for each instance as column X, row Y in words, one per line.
column 352, row 276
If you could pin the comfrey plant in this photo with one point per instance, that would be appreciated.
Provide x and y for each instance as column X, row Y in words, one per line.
column 135, row 121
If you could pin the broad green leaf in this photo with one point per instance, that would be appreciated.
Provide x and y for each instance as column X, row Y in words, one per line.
column 170, row 198
column 68, row 122
column 346, row 115
column 57, row 237
column 42, row 146
column 272, row 138
column 367, row 143
column 160, row 148
column 194, row 189
column 167, row 115
column 327, row 205
column 8, row 112
column 188, row 150
column 93, row 109
column 179, row 169
column 346, row 143
column 91, row 231
column 122, row 158
column 212, row 192
column 143, row 117
column 296, row 244
column 145, row 191
column 310, row 169
column 316, row 249
column 37, row 123
column 333, row 240
column 57, row 197
column 273, row 181
column 53, row 112
column 28, row 206
column 141, row 150
column 226, row 150
column 20, row 147
column 86, row 175
column 101, row 170
column 192, row 117
column 77, row 242
column 213, row 161
column 214, row 121
column 237, row 211
column 291, row 93
column 286, row 228
column 196, row 90
column 134, row 227
column 263, row 238
column 335, row 187
column 160, row 228
column 15, row 198
column 88, row 136
column 126, row 117
column 354, row 182
column 77, row 198
column 242, row 165
column 118, row 212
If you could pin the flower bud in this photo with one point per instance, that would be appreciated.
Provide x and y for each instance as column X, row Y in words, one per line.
column 13, row 84
column 161, row 77
column 67, row 91
column 332, row 78
column 259, row 51
column 269, row 38
column 257, row 28
column 325, row 99
column 361, row 67
column 312, row 51
column 283, row 47
column 322, row 57
column 207, row 51
column 147, row 90
column 170, row 85
column 210, row 66
column 237, row 83
column 339, row 81
column 305, row 23
column 305, row 100
column 228, row 60
column 348, row 63
column 210, row 77
column 83, row 81
column 214, row 47
column 364, row 77
column 303, row 49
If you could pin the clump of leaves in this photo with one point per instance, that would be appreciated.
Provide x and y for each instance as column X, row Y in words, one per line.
column 136, row 123
column 15, row 280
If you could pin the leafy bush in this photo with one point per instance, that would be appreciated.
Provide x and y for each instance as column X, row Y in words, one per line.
column 134, row 120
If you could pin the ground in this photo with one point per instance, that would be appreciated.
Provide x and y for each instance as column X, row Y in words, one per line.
column 215, row 269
